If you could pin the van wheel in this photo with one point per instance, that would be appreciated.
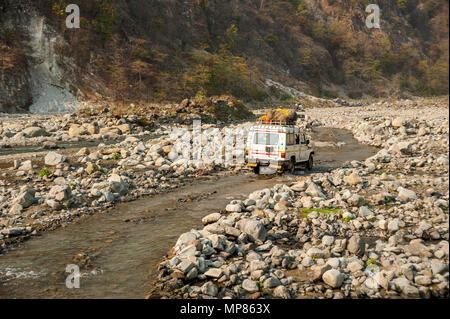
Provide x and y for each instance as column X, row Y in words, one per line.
column 256, row 169
column 292, row 166
column 309, row 164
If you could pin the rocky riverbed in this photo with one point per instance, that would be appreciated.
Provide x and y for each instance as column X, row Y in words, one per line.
column 370, row 229
column 47, row 189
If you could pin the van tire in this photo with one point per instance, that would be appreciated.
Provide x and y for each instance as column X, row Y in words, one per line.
column 256, row 169
column 292, row 166
column 309, row 163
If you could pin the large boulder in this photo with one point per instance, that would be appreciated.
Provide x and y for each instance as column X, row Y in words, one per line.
column 333, row 278
column 356, row 245
column 254, row 228
column 60, row 192
column 77, row 130
column 314, row 190
column 26, row 197
column 34, row 131
column 211, row 218
column 406, row 194
column 353, row 179
column 53, row 159
column 118, row 184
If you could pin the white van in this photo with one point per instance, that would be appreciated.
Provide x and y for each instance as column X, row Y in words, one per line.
column 277, row 148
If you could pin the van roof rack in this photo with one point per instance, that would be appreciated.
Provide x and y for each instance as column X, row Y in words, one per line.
column 278, row 123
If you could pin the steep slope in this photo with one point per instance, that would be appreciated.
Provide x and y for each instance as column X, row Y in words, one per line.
column 149, row 50
column 44, row 85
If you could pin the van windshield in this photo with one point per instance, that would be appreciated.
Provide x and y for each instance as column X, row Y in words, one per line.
column 265, row 139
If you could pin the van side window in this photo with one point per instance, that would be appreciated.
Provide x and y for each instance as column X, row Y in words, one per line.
column 289, row 139
column 297, row 139
column 303, row 139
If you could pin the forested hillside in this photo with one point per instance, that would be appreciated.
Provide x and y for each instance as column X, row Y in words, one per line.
column 150, row 50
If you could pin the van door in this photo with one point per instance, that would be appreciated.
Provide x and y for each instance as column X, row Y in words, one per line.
column 303, row 147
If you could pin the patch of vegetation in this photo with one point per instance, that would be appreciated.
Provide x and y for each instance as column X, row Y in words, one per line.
column 102, row 170
column 347, row 219
column 222, row 73
column 116, row 156
column 371, row 261
column 285, row 97
column 45, row 172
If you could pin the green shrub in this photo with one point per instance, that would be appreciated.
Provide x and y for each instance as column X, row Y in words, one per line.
column 116, row 156
column 285, row 97
column 45, row 172
column 371, row 261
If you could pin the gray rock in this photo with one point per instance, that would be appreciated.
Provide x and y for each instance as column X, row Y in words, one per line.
column 314, row 190
column 406, row 194
column 333, row 278
column 26, row 198
column 365, row 212
column 250, row 286
column 233, row 208
column 334, row 263
column 356, row 245
column 53, row 159
column 257, row 265
column 118, row 185
column 355, row 200
column 383, row 278
column 281, row 292
column 319, row 270
column 299, row 186
column 254, row 228
column 327, row 240
column 355, row 266
column 271, row 282
column 439, row 268
column 188, row 251
column 34, row 131
column 422, row 280
column 211, row 218
column 60, row 192
column 185, row 266
column 418, row 249
column 214, row 272
column 26, row 166
column 316, row 252
column 393, row 225
column 210, row 289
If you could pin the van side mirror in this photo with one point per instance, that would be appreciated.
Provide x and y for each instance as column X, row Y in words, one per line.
column 307, row 142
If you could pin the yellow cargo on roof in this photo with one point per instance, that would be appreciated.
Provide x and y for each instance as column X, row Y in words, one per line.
column 284, row 111
column 263, row 118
